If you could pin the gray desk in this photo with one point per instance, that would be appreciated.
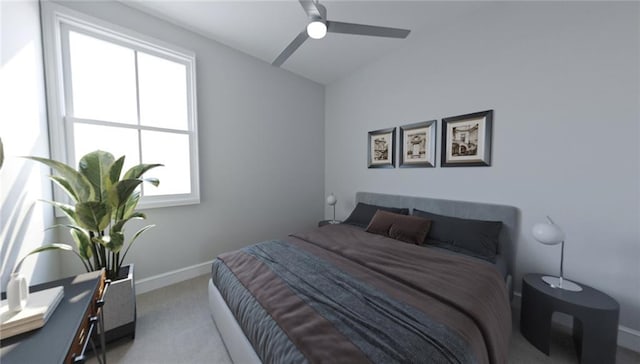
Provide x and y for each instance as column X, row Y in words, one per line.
column 62, row 339
column 595, row 318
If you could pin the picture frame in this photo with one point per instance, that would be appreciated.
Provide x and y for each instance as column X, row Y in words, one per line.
column 466, row 140
column 418, row 145
column 381, row 148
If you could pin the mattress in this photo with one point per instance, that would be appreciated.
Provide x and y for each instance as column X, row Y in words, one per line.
column 339, row 294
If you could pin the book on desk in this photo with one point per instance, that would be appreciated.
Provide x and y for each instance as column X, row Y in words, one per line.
column 40, row 306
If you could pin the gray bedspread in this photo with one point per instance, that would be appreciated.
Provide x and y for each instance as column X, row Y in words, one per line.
column 339, row 294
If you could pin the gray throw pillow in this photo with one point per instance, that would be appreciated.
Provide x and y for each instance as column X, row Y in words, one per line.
column 477, row 238
column 363, row 213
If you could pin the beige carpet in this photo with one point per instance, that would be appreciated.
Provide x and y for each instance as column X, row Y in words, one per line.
column 174, row 326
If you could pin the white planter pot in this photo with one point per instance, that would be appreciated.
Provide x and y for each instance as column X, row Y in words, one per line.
column 120, row 307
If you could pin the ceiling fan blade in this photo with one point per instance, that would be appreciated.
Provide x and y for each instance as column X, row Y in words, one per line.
column 361, row 29
column 295, row 44
column 310, row 8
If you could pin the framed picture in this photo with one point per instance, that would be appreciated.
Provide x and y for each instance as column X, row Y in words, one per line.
column 466, row 140
column 418, row 145
column 382, row 152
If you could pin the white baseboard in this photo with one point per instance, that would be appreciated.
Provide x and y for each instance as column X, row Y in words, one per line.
column 175, row 276
column 628, row 338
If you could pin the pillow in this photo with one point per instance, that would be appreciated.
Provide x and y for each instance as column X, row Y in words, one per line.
column 477, row 238
column 363, row 213
column 410, row 229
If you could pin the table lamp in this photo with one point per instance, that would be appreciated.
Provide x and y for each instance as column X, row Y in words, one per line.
column 331, row 201
column 549, row 233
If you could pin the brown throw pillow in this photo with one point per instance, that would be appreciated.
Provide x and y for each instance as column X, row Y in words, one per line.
column 410, row 229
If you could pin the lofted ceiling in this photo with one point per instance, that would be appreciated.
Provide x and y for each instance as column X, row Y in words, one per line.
column 263, row 28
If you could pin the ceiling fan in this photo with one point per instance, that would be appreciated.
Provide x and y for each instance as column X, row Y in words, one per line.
column 319, row 26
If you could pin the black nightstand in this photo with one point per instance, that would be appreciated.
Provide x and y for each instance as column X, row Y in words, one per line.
column 327, row 222
column 595, row 318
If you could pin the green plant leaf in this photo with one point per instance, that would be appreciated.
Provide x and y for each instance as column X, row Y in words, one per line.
column 68, row 226
column 115, row 170
column 66, row 186
column 130, row 205
column 119, row 225
column 77, row 182
column 68, row 210
column 133, row 240
column 93, row 215
column 95, row 167
column 113, row 242
column 137, row 215
column 122, row 191
column 111, row 178
column 83, row 242
column 116, row 241
column 137, row 171
column 53, row 246
column 100, row 240
column 154, row 181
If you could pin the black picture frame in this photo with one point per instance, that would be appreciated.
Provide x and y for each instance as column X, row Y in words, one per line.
column 466, row 140
column 422, row 151
column 381, row 148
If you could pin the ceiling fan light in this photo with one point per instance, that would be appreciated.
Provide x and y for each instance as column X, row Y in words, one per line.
column 317, row 29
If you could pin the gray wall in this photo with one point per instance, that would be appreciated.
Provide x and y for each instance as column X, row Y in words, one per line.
column 261, row 152
column 23, row 126
column 563, row 79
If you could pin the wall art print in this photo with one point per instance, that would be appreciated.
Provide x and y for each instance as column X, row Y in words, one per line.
column 381, row 148
column 418, row 145
column 466, row 140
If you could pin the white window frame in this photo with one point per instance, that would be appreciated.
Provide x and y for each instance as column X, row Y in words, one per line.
column 54, row 19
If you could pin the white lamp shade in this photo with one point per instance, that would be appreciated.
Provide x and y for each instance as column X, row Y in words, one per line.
column 317, row 29
column 331, row 200
column 548, row 233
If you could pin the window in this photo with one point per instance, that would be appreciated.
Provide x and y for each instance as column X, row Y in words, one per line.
column 125, row 93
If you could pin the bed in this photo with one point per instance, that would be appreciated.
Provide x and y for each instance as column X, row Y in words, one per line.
column 342, row 294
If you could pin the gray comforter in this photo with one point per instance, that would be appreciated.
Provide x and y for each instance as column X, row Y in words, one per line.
column 339, row 294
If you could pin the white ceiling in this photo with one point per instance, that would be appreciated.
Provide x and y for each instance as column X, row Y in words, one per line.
column 263, row 28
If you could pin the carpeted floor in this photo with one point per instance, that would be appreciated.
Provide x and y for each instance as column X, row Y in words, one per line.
column 174, row 326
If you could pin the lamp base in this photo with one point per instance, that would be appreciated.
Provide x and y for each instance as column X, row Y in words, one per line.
column 334, row 222
column 567, row 285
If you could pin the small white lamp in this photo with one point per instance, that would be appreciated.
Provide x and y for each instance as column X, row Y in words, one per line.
column 550, row 234
column 331, row 201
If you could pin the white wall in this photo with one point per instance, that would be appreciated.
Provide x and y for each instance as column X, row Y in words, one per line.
column 23, row 126
column 261, row 152
column 563, row 79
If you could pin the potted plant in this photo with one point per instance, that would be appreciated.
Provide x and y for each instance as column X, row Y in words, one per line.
column 103, row 201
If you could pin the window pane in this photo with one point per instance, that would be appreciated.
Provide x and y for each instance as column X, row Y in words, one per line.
column 102, row 79
column 117, row 141
column 163, row 92
column 172, row 150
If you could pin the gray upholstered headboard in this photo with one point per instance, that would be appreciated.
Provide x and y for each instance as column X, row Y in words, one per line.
column 509, row 215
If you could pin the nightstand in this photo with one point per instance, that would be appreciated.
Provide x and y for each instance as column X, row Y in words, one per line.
column 595, row 318
column 327, row 222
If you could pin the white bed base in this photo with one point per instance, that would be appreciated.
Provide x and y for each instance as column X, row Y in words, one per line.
column 237, row 344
